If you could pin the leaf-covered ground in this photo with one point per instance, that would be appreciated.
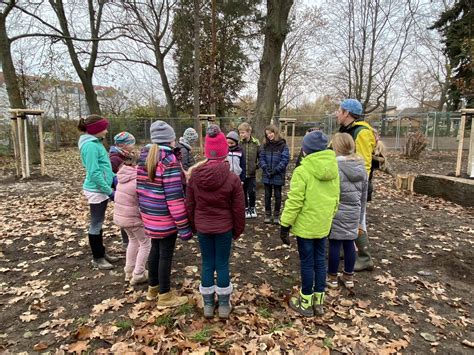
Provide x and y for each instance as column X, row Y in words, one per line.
column 417, row 300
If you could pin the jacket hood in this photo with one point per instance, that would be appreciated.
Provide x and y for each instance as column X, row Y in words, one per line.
column 354, row 170
column 85, row 138
column 235, row 148
column 184, row 143
column 322, row 165
column 126, row 173
column 212, row 175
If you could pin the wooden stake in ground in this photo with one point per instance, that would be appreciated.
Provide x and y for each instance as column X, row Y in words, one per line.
column 16, row 147
column 24, row 120
column 41, row 144
column 461, row 142
column 21, row 144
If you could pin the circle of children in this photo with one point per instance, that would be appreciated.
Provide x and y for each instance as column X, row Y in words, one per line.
column 162, row 193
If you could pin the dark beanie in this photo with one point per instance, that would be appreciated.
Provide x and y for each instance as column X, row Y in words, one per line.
column 314, row 142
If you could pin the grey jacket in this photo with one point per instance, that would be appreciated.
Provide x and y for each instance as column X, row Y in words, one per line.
column 354, row 181
column 187, row 158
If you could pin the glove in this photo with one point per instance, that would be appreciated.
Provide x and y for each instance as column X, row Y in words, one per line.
column 270, row 172
column 186, row 236
column 112, row 196
column 285, row 235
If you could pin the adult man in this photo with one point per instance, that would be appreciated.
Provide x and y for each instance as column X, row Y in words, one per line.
column 350, row 118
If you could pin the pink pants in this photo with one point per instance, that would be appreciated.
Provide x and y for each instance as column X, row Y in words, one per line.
column 138, row 249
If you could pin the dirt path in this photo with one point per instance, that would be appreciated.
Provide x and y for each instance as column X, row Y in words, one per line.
column 417, row 300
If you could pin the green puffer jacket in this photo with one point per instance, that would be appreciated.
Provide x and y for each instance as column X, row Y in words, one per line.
column 251, row 150
column 313, row 197
column 96, row 161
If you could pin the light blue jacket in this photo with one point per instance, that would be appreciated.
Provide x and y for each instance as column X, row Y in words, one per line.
column 95, row 159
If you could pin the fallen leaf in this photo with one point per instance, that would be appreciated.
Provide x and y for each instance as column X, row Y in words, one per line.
column 428, row 337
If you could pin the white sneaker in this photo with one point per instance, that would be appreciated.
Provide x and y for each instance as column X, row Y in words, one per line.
column 139, row 279
column 247, row 213
column 253, row 212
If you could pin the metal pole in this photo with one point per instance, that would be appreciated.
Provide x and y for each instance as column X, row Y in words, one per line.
column 21, row 143
column 434, row 132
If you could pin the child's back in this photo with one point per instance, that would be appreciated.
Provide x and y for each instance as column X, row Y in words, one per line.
column 313, row 196
column 126, row 212
column 353, row 185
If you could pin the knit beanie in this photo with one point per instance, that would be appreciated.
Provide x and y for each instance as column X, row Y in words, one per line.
column 233, row 135
column 161, row 132
column 190, row 135
column 215, row 145
column 353, row 106
column 124, row 138
column 314, row 142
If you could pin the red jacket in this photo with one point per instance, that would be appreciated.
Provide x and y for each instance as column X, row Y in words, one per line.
column 215, row 200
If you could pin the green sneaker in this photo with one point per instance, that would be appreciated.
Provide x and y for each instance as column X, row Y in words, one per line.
column 303, row 304
column 318, row 300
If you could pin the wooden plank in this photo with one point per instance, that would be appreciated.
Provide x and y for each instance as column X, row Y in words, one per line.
column 26, row 111
column 470, row 161
column 41, row 145
column 461, row 143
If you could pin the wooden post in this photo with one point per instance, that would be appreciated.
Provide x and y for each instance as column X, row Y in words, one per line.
column 461, row 143
column 470, row 162
column 21, row 144
column 27, row 158
column 41, row 144
column 293, row 131
column 16, row 148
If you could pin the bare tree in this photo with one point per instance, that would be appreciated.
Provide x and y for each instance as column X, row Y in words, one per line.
column 71, row 23
column 369, row 40
column 297, row 67
column 276, row 29
column 146, row 26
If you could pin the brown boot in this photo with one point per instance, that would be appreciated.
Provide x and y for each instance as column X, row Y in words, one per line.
column 152, row 293
column 170, row 299
column 347, row 279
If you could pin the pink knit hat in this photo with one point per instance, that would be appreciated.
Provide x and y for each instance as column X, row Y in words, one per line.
column 215, row 145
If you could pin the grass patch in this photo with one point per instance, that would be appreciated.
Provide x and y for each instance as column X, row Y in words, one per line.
column 264, row 312
column 165, row 320
column 124, row 324
column 203, row 336
column 184, row 309
column 81, row 320
column 281, row 326
column 327, row 342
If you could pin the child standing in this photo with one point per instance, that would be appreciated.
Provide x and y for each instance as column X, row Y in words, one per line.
column 236, row 157
column 162, row 208
column 124, row 144
column 216, row 209
column 309, row 209
column 127, row 216
column 97, row 185
column 185, row 143
column 251, row 150
column 274, row 157
column 353, row 183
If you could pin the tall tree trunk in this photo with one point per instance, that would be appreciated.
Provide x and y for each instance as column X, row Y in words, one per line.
column 276, row 29
column 197, row 64
column 89, row 93
column 172, row 110
column 13, row 88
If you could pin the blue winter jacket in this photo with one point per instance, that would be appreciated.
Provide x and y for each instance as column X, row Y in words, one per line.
column 274, row 158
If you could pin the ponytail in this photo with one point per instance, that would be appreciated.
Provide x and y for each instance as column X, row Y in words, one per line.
column 151, row 161
column 82, row 125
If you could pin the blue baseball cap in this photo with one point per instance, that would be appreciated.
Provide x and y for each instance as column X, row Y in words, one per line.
column 353, row 106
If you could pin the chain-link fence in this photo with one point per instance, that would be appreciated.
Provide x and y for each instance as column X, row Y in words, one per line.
column 440, row 128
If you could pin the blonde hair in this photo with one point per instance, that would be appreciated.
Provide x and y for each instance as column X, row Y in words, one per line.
column 189, row 172
column 244, row 126
column 380, row 148
column 274, row 129
column 344, row 145
column 151, row 161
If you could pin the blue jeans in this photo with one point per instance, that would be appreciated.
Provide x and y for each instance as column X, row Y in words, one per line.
column 97, row 216
column 215, row 254
column 313, row 264
column 334, row 255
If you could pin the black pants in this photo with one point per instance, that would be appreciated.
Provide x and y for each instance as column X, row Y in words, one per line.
column 124, row 236
column 159, row 262
column 96, row 243
column 250, row 185
column 268, row 198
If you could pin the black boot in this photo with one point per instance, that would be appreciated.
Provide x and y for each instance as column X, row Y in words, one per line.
column 276, row 217
column 268, row 217
column 98, row 252
column 108, row 257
